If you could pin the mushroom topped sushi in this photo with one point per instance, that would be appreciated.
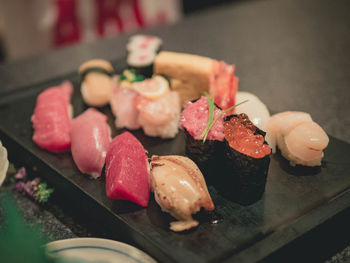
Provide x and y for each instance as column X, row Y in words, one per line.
column 180, row 189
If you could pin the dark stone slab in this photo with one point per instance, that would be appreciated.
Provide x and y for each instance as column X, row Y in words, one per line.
column 295, row 201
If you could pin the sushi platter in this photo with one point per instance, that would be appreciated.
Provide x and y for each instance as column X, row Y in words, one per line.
column 296, row 199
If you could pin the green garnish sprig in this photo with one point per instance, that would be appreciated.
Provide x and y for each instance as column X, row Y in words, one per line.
column 211, row 122
column 131, row 76
column 43, row 193
column 35, row 189
column 211, row 107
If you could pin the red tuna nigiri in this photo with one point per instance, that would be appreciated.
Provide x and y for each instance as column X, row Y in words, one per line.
column 51, row 118
column 127, row 170
column 90, row 140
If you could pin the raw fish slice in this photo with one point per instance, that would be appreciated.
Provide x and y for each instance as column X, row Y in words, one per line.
column 51, row 118
column 281, row 123
column 180, row 189
column 159, row 117
column 90, row 140
column 194, row 118
column 307, row 141
column 123, row 107
column 127, row 170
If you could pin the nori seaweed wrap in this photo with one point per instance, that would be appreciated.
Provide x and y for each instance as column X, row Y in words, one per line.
column 141, row 62
column 205, row 154
column 243, row 177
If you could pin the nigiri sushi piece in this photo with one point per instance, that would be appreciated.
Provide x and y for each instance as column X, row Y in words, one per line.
column 127, row 170
column 158, row 107
column 257, row 112
column 91, row 136
column 51, row 118
column 4, row 163
column 123, row 106
column 180, row 189
column 299, row 138
column 96, row 82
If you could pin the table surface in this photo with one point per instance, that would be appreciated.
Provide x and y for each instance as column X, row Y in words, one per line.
column 293, row 54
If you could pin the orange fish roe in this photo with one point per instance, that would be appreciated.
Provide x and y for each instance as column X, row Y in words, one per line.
column 239, row 133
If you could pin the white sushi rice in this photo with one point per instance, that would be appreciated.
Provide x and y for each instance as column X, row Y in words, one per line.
column 168, row 130
column 140, row 58
column 144, row 42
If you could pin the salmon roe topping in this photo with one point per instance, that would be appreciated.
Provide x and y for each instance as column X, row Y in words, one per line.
column 239, row 133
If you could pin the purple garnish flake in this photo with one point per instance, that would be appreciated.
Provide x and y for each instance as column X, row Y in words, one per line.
column 21, row 173
column 33, row 188
column 19, row 186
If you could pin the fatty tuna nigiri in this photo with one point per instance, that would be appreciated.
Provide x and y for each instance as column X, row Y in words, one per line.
column 90, row 140
column 127, row 170
column 51, row 118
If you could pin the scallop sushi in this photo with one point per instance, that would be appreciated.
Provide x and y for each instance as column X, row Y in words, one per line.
column 299, row 138
column 247, row 159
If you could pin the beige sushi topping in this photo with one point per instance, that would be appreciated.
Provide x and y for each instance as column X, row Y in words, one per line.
column 299, row 138
column 96, row 88
column 180, row 189
column 4, row 163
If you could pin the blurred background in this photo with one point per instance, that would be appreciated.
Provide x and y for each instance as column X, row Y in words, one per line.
column 28, row 27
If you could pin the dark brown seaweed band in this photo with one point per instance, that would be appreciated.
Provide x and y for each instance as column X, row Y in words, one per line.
column 95, row 70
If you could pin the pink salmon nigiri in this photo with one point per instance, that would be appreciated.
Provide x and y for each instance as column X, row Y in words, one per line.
column 51, row 118
column 90, row 140
column 127, row 170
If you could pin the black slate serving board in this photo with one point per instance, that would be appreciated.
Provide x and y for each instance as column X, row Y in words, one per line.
column 295, row 201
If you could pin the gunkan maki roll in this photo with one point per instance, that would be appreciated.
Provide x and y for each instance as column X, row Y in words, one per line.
column 194, row 120
column 247, row 159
